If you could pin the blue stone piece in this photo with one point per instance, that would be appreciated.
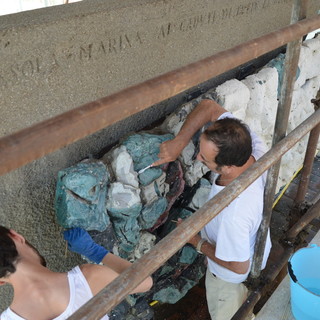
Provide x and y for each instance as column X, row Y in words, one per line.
column 188, row 255
column 80, row 199
column 126, row 226
column 175, row 292
column 151, row 213
column 149, row 175
column 144, row 148
column 170, row 225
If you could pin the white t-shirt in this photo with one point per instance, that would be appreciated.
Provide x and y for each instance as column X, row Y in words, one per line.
column 234, row 229
column 80, row 293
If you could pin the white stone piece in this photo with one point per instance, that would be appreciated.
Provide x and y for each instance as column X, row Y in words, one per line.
column 200, row 197
column 122, row 166
column 262, row 106
column 291, row 162
column 161, row 184
column 146, row 243
column 148, row 193
column 193, row 173
column 122, row 196
column 234, row 96
column 309, row 61
column 302, row 107
column 305, row 56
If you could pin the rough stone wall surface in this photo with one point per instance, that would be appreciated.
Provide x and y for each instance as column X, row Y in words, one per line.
column 55, row 59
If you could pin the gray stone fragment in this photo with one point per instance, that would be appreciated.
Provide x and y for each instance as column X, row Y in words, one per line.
column 195, row 172
column 201, row 195
column 146, row 242
column 154, row 190
column 174, row 122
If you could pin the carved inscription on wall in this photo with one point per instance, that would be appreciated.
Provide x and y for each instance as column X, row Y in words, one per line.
column 125, row 42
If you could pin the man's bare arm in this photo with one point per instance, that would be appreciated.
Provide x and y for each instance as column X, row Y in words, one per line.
column 205, row 111
column 99, row 276
column 208, row 249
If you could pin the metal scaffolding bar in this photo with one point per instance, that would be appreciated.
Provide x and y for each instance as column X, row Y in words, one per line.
column 115, row 292
column 281, row 124
column 312, row 213
column 43, row 138
column 308, row 162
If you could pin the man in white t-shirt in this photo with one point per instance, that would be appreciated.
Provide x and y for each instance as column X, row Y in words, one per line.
column 40, row 293
column 227, row 148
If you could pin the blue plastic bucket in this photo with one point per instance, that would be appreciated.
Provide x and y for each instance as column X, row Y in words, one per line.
column 304, row 271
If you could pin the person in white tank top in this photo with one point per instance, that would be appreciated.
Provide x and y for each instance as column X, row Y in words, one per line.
column 42, row 294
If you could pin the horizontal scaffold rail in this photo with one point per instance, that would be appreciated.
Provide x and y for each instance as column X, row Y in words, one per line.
column 117, row 290
column 50, row 135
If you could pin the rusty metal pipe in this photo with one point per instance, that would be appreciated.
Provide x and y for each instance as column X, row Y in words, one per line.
column 307, row 165
column 281, row 124
column 312, row 213
column 115, row 292
column 43, row 138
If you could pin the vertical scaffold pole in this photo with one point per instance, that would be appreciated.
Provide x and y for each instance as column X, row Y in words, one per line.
column 290, row 69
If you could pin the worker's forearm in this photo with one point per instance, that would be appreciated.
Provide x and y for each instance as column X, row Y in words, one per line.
column 206, row 110
column 209, row 250
column 115, row 263
column 119, row 265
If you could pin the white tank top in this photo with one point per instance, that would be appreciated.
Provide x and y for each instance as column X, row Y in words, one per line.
column 80, row 293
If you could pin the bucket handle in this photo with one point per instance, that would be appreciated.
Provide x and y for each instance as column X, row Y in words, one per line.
column 290, row 271
column 292, row 275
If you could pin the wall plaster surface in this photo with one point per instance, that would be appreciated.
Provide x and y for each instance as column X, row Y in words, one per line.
column 57, row 58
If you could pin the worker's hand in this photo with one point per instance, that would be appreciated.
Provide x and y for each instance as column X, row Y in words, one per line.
column 169, row 151
column 80, row 241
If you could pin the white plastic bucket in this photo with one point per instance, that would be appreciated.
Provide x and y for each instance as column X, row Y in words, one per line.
column 304, row 271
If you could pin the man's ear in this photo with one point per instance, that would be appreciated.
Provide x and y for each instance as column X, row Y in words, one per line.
column 16, row 236
column 228, row 169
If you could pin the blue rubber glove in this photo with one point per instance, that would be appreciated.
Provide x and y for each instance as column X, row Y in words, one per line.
column 80, row 241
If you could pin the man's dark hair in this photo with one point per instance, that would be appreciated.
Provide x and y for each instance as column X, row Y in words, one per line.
column 8, row 253
column 233, row 139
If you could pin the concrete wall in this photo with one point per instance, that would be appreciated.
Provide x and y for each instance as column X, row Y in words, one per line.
column 55, row 59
